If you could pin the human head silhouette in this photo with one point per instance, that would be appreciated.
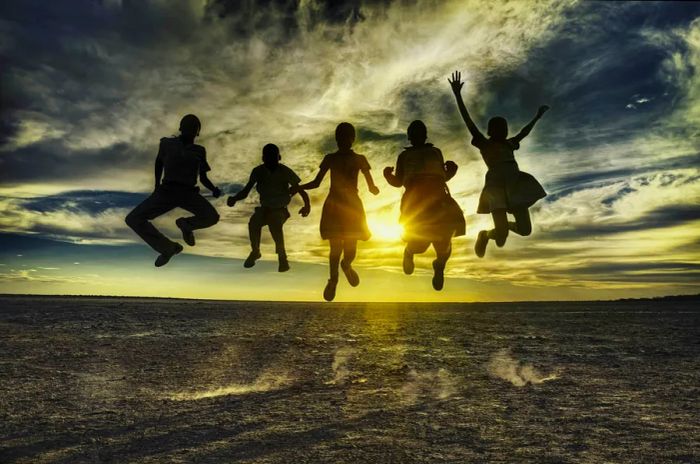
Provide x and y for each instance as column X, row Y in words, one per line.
column 271, row 155
column 497, row 128
column 417, row 132
column 344, row 135
column 190, row 125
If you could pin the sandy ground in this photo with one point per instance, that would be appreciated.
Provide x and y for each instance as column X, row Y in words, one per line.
column 126, row 380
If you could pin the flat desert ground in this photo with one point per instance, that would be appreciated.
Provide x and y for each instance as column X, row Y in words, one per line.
column 87, row 380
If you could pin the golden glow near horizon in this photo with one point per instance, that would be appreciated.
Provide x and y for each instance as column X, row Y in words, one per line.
column 385, row 227
column 621, row 168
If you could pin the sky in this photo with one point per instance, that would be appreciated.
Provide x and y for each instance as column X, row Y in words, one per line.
column 87, row 91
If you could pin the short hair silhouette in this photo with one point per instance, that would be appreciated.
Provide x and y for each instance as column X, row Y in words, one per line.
column 497, row 128
column 345, row 135
column 190, row 125
column 271, row 153
column 178, row 165
column 417, row 132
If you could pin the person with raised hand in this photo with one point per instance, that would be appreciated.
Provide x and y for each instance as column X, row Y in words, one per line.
column 507, row 189
column 343, row 220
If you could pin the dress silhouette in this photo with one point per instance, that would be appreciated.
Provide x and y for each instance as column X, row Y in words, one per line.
column 429, row 214
column 276, row 184
column 179, row 162
column 506, row 189
column 343, row 220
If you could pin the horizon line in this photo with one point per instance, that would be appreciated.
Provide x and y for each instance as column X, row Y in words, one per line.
column 683, row 296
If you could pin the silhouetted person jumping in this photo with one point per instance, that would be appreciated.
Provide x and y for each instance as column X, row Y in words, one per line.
column 276, row 184
column 429, row 214
column 343, row 220
column 507, row 189
column 179, row 162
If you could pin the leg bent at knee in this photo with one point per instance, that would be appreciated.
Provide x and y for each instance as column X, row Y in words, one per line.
column 131, row 220
column 500, row 238
column 215, row 218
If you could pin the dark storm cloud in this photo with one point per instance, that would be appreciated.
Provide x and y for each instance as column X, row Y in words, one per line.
column 667, row 216
column 597, row 63
column 52, row 160
column 253, row 13
column 67, row 63
column 605, row 269
column 87, row 201
column 567, row 185
column 650, row 273
column 93, row 201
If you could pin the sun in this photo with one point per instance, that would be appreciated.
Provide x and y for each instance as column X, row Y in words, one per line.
column 385, row 228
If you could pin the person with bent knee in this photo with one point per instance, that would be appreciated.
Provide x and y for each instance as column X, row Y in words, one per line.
column 429, row 214
column 178, row 164
column 507, row 189
column 276, row 184
column 343, row 219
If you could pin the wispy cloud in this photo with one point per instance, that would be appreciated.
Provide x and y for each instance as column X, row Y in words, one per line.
column 623, row 184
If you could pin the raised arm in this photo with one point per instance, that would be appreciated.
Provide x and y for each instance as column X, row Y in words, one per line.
column 457, row 84
column 525, row 131
column 317, row 180
column 243, row 194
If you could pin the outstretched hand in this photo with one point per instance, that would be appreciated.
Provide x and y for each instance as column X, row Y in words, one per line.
column 231, row 201
column 388, row 171
column 542, row 110
column 456, row 82
column 374, row 189
column 450, row 166
column 305, row 210
column 216, row 193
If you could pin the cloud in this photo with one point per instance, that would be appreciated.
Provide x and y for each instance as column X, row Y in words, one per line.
column 88, row 92
column 87, row 201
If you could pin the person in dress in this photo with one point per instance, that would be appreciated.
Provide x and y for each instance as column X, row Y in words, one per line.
column 179, row 162
column 507, row 189
column 276, row 184
column 429, row 214
column 343, row 220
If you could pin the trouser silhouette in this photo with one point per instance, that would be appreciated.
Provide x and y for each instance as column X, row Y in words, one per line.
column 274, row 219
column 166, row 198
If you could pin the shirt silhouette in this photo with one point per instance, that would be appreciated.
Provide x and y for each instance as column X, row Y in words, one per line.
column 275, row 183
column 429, row 214
column 179, row 162
column 343, row 220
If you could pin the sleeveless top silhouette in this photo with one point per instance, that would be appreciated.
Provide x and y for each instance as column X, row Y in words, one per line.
column 343, row 216
column 506, row 186
column 428, row 212
column 182, row 163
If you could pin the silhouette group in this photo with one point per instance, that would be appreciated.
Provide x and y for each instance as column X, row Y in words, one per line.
column 428, row 213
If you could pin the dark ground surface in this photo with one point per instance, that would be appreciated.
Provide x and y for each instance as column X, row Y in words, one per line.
column 128, row 380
